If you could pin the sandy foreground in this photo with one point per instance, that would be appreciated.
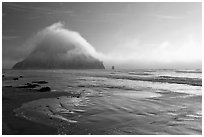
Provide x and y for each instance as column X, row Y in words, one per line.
column 51, row 106
column 13, row 98
column 30, row 112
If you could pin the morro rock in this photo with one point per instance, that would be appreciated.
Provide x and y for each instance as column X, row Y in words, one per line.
column 57, row 62
column 56, row 47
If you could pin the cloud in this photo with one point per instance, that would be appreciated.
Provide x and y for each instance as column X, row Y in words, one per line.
column 134, row 53
column 56, row 37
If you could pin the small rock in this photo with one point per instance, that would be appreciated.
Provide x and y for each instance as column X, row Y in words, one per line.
column 15, row 78
column 3, row 75
column 45, row 89
column 81, row 86
column 20, row 76
column 40, row 82
column 76, row 95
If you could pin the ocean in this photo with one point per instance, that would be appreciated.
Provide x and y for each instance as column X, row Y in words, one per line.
column 115, row 102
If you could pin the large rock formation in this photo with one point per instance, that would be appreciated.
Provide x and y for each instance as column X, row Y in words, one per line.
column 47, row 61
column 56, row 47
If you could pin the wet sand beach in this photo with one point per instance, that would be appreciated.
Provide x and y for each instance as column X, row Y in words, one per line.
column 99, row 105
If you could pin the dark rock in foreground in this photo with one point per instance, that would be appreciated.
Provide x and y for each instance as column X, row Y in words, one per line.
column 45, row 89
column 15, row 78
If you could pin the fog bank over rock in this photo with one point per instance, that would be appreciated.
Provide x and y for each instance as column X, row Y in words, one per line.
column 58, row 48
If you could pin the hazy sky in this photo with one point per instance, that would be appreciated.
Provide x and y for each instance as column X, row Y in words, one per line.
column 127, row 35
